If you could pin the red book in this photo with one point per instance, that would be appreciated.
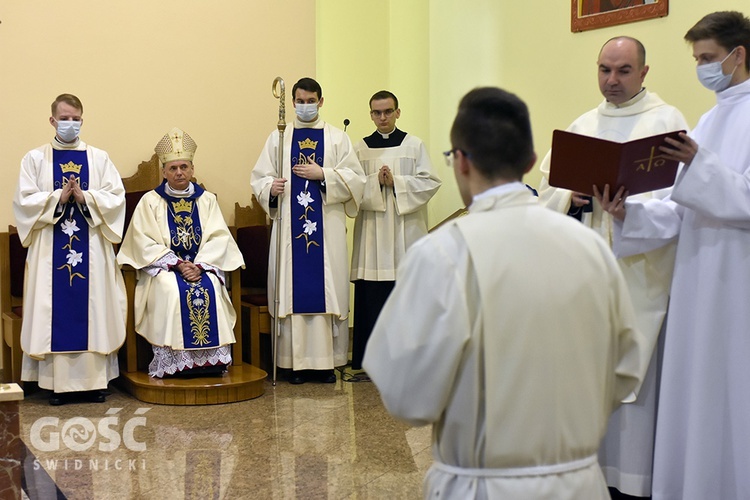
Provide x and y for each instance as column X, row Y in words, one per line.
column 580, row 161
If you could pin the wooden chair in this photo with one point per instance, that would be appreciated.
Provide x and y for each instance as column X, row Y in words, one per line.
column 12, row 269
column 252, row 231
column 135, row 353
column 242, row 381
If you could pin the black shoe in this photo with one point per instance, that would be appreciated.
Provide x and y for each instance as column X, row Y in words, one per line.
column 296, row 378
column 325, row 376
column 57, row 399
column 95, row 396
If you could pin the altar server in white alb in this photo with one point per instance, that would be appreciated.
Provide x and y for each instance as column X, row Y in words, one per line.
column 179, row 241
column 393, row 214
column 70, row 209
column 317, row 187
column 628, row 112
column 518, row 400
column 702, row 446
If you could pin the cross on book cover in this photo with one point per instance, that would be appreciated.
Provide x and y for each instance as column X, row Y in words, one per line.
column 579, row 162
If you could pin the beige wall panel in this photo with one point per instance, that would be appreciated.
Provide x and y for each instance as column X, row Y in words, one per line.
column 143, row 66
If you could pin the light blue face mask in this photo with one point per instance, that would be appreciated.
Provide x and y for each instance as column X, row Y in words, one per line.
column 712, row 76
column 68, row 130
column 307, row 111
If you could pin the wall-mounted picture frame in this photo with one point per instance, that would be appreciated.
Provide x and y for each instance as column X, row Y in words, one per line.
column 593, row 14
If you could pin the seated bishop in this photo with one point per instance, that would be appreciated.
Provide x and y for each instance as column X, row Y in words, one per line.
column 180, row 244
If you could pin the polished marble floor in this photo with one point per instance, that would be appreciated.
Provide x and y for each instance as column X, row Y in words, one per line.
column 306, row 441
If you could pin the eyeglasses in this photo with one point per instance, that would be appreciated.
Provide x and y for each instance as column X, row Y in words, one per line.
column 451, row 153
column 387, row 113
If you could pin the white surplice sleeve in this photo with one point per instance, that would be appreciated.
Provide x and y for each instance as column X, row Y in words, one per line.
column 265, row 171
column 344, row 178
column 34, row 204
column 414, row 191
column 374, row 198
column 648, row 225
column 218, row 248
column 144, row 243
column 714, row 190
column 414, row 353
column 105, row 199
column 633, row 349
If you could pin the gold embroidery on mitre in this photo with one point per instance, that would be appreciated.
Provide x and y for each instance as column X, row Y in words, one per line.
column 71, row 167
column 176, row 145
column 182, row 206
column 307, row 144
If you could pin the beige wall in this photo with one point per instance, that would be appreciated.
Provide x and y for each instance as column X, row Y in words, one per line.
column 143, row 66
column 554, row 70
column 431, row 52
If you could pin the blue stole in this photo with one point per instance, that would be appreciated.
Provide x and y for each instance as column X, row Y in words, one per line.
column 308, row 279
column 197, row 298
column 70, row 259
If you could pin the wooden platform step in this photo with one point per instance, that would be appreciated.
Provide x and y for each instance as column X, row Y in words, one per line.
column 240, row 383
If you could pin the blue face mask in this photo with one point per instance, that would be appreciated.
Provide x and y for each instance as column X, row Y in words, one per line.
column 68, row 130
column 306, row 112
column 712, row 76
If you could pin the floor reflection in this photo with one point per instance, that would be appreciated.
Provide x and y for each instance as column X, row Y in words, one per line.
column 306, row 441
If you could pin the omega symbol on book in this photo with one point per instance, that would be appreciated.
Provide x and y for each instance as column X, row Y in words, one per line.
column 651, row 162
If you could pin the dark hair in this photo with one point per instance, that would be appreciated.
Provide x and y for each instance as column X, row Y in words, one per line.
column 309, row 85
column 730, row 29
column 69, row 99
column 384, row 94
column 492, row 127
column 640, row 49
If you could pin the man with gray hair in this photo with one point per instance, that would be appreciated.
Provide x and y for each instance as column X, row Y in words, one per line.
column 181, row 245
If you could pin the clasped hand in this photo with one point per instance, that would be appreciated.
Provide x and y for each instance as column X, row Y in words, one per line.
column 72, row 188
column 189, row 271
column 385, row 177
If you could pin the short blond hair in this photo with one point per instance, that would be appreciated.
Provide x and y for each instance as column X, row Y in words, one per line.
column 69, row 99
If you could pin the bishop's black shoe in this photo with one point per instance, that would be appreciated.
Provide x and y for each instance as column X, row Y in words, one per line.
column 57, row 399
column 296, row 377
column 95, row 396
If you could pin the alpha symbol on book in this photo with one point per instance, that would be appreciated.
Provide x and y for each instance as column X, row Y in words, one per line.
column 646, row 164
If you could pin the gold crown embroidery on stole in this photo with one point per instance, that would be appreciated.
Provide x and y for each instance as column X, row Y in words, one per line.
column 307, row 144
column 71, row 167
column 182, row 206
